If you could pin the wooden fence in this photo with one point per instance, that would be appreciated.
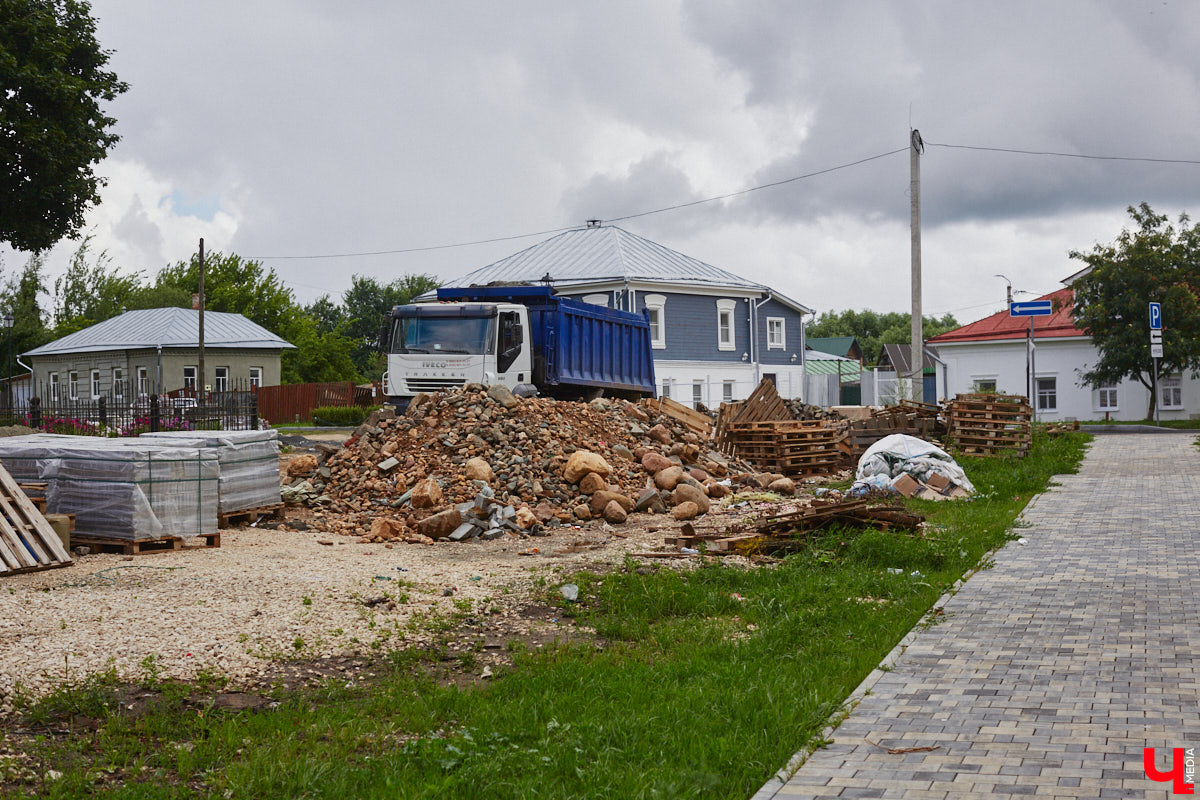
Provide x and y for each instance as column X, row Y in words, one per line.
column 295, row 402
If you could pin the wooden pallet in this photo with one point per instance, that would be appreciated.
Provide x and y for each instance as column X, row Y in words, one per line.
column 139, row 547
column 694, row 420
column 248, row 515
column 789, row 447
column 991, row 424
column 27, row 542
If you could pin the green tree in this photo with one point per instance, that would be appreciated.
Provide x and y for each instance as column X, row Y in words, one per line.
column 1154, row 262
column 365, row 304
column 319, row 356
column 52, row 129
column 234, row 285
column 874, row 329
column 20, row 296
column 85, row 295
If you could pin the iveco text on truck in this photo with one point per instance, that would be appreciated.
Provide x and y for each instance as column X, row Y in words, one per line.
column 517, row 336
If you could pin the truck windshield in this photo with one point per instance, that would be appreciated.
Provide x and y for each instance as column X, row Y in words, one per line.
column 463, row 335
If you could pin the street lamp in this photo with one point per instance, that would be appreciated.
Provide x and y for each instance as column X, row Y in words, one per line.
column 8, row 325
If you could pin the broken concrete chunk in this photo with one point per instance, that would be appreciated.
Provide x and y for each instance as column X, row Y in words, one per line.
column 387, row 464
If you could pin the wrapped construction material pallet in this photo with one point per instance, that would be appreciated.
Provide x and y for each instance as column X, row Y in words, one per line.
column 249, row 463
column 120, row 489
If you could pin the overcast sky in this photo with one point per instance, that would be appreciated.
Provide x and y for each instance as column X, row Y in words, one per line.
column 303, row 128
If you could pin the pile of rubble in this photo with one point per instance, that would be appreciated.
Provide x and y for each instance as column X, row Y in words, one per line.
column 482, row 463
column 804, row 411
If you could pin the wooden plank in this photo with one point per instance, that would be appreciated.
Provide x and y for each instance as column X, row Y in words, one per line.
column 136, row 547
column 693, row 419
column 34, row 518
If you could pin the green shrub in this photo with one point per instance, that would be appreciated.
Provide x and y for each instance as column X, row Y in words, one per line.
column 341, row 416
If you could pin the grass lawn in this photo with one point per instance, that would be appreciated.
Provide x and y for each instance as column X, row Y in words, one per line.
column 695, row 683
column 1180, row 424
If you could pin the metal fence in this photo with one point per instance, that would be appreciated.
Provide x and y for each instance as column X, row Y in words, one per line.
column 122, row 412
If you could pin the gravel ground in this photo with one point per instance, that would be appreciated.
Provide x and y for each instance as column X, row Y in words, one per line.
column 265, row 600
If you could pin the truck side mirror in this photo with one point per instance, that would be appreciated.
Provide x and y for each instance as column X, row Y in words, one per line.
column 385, row 333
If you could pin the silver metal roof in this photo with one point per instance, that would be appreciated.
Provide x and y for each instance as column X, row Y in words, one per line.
column 168, row 327
column 607, row 253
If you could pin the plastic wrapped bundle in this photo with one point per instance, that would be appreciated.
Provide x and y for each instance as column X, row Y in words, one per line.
column 119, row 490
column 249, row 463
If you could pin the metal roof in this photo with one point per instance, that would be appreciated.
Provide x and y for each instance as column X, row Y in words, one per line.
column 606, row 253
column 817, row 362
column 166, row 327
column 1002, row 325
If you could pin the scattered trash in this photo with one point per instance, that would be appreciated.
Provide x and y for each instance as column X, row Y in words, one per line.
column 1022, row 541
column 690, row 551
column 911, row 467
column 569, row 591
column 448, row 591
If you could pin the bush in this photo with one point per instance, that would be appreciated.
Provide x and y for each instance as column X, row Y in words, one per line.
column 341, row 416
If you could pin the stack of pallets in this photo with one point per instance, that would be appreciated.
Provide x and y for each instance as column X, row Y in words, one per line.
column 788, row 447
column 990, row 424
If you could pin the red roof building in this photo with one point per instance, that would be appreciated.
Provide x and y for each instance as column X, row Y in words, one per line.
column 1003, row 326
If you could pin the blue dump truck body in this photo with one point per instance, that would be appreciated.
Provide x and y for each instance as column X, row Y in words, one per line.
column 576, row 345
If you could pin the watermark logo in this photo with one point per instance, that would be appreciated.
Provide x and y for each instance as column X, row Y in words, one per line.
column 1183, row 769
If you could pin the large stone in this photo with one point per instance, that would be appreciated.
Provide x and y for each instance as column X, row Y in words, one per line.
column 668, row 478
column 655, row 462
column 782, row 486
column 614, row 513
column 591, row 483
column 387, row 528
column 427, row 494
column 650, row 502
column 622, row 451
column 525, row 518
column 634, row 412
column 603, row 498
column 688, row 510
column 698, row 474
column 503, row 396
column 441, row 524
column 582, row 462
column 716, row 490
column 301, row 465
column 659, row 434
column 686, row 493
column 478, row 469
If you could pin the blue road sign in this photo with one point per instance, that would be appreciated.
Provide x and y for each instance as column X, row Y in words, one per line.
column 1156, row 316
column 1032, row 308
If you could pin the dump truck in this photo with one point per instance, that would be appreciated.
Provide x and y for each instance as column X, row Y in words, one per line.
column 526, row 338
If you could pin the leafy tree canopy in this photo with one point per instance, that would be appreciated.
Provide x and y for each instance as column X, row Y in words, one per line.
column 874, row 329
column 52, row 129
column 365, row 304
column 20, row 296
column 1154, row 262
column 85, row 295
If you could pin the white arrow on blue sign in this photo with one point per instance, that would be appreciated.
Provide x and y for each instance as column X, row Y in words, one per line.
column 1032, row 308
column 1156, row 316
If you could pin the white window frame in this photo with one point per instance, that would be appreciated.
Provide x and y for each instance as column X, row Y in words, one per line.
column 95, row 384
column 53, row 387
column 118, row 383
column 666, row 388
column 194, row 380
column 72, row 385
column 656, row 304
column 1047, row 401
column 726, row 325
column 221, row 379
column 256, row 374
column 976, row 380
column 697, row 392
column 1107, row 397
column 143, row 382
column 1170, row 388
column 781, row 344
column 596, row 299
column 727, row 391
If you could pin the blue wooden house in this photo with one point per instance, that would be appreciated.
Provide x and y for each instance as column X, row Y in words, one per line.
column 715, row 334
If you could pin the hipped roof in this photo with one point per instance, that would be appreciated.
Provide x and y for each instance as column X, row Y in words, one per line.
column 165, row 327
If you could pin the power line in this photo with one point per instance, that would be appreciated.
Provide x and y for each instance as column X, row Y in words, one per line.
column 614, row 219
column 1062, row 155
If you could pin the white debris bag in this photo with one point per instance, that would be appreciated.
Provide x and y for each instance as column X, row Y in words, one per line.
column 897, row 454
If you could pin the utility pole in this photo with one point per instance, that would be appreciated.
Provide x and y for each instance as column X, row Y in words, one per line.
column 200, row 377
column 916, row 147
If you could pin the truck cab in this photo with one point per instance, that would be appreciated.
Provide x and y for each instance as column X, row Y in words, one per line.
column 446, row 345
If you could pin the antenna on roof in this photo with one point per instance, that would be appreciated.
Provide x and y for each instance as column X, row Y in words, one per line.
column 593, row 223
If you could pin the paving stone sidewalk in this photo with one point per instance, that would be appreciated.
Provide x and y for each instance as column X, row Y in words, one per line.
column 1050, row 672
